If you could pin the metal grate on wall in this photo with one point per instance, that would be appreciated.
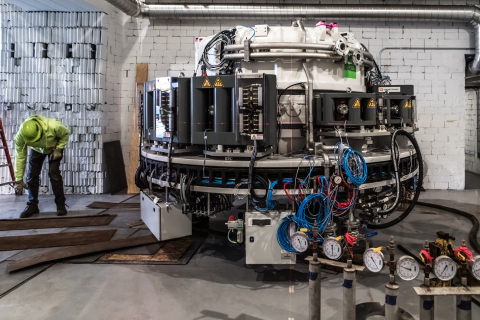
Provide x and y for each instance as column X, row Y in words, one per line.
column 53, row 64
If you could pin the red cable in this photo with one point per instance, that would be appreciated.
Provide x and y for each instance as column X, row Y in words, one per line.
column 463, row 250
column 350, row 239
column 301, row 194
column 343, row 205
column 286, row 192
column 427, row 256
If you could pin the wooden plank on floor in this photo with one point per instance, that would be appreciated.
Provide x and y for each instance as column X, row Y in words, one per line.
column 60, row 239
column 113, row 205
column 56, row 222
column 173, row 252
column 80, row 250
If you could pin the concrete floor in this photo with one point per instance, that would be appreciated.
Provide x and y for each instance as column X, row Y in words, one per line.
column 216, row 284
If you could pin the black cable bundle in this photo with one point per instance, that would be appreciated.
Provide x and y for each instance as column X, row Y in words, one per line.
column 374, row 76
column 223, row 38
column 251, row 179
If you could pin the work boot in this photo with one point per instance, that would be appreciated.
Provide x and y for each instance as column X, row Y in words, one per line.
column 29, row 210
column 61, row 210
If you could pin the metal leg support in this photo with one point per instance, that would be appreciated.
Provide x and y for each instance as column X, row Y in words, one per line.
column 314, row 285
column 391, row 306
column 464, row 307
column 349, row 292
column 427, row 307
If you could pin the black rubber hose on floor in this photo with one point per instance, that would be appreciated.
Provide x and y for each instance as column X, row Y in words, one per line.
column 419, row 183
column 472, row 236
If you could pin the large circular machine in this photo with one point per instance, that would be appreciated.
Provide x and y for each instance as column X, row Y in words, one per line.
column 298, row 123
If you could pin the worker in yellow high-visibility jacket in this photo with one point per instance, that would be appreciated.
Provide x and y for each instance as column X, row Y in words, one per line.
column 46, row 137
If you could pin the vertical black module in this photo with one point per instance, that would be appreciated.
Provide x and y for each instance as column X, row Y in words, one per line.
column 167, row 110
column 229, row 109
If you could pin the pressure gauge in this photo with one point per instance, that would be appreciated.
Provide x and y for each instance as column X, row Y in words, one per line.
column 332, row 248
column 337, row 180
column 373, row 260
column 444, row 268
column 407, row 268
column 299, row 241
column 476, row 267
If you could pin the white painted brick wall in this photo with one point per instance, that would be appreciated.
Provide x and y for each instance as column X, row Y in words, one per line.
column 472, row 162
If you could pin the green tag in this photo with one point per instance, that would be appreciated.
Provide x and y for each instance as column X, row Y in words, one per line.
column 350, row 70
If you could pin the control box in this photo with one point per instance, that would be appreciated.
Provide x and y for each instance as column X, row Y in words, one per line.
column 261, row 243
column 165, row 222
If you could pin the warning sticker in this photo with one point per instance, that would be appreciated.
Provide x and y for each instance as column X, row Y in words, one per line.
column 356, row 104
column 257, row 136
column 218, row 83
column 371, row 104
column 206, row 83
column 408, row 104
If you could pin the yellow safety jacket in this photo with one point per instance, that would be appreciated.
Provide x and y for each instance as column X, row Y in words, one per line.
column 55, row 136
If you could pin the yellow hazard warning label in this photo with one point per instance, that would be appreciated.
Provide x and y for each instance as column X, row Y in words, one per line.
column 408, row 104
column 371, row 104
column 206, row 83
column 218, row 83
column 356, row 104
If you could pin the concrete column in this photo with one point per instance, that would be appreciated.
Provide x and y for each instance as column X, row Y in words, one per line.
column 314, row 286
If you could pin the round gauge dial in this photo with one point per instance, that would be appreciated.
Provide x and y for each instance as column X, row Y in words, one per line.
column 374, row 261
column 407, row 268
column 299, row 241
column 337, row 179
column 332, row 248
column 444, row 268
column 476, row 267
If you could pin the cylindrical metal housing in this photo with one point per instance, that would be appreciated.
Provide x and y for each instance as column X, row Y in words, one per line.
column 314, row 294
column 391, row 305
column 349, row 294
column 464, row 307
column 427, row 309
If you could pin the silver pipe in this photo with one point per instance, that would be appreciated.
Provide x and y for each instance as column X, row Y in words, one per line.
column 283, row 45
column 474, row 66
column 285, row 12
column 308, row 115
column 287, row 55
column 368, row 13
column 309, row 140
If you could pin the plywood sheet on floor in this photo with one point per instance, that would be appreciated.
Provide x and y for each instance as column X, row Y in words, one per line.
column 178, row 251
column 122, row 233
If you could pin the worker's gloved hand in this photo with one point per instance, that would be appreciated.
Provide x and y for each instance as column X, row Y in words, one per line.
column 19, row 186
column 57, row 155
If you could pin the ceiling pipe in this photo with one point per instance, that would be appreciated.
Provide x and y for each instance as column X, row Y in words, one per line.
column 470, row 14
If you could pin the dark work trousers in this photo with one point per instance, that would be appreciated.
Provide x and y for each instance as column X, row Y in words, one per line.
column 35, row 163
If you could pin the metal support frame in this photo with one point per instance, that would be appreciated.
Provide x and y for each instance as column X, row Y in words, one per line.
column 463, row 300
